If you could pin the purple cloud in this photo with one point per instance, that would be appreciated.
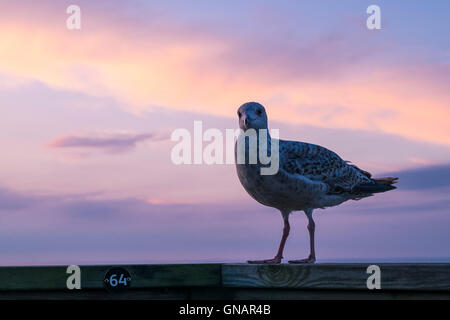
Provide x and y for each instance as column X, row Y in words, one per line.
column 429, row 177
column 11, row 200
column 106, row 142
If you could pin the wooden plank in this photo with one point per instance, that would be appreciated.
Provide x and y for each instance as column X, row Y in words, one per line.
column 348, row 276
column 406, row 277
column 323, row 294
column 22, row 278
column 143, row 276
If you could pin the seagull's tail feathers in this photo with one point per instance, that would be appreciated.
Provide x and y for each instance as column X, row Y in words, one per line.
column 377, row 185
column 388, row 181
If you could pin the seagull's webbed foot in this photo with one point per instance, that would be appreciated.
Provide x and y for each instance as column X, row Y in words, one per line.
column 303, row 261
column 275, row 260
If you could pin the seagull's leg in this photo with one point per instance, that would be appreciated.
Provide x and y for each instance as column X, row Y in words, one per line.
column 284, row 237
column 311, row 229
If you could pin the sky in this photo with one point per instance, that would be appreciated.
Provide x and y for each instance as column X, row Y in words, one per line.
column 86, row 118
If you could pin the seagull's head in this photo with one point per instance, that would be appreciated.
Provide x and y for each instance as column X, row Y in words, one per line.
column 252, row 115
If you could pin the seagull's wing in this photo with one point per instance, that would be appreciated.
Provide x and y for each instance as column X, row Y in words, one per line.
column 320, row 164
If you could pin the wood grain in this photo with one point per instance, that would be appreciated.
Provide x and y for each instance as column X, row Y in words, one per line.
column 349, row 276
column 142, row 276
column 233, row 281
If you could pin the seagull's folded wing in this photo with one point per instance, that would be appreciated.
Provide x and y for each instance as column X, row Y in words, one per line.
column 320, row 164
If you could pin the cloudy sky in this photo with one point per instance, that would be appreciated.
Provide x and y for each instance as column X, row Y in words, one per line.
column 86, row 118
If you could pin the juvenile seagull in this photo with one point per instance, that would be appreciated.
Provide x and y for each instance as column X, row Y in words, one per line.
column 309, row 177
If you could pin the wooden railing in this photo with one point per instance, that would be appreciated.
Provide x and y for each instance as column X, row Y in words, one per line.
column 228, row 281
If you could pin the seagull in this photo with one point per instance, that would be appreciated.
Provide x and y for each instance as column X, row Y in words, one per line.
column 309, row 177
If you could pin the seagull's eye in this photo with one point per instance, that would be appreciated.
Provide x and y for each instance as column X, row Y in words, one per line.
column 259, row 112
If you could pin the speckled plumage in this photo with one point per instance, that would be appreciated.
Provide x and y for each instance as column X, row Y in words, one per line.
column 309, row 177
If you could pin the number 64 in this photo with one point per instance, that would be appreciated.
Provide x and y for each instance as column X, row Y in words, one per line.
column 114, row 282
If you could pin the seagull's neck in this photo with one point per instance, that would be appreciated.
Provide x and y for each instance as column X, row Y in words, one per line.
column 260, row 135
column 269, row 138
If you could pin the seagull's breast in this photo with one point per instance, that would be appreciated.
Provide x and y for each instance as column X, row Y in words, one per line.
column 282, row 190
column 278, row 191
